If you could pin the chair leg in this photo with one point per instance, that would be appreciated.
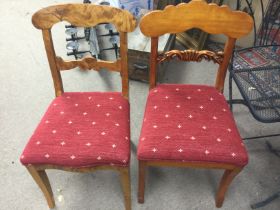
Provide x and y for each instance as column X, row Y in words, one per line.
column 224, row 184
column 42, row 181
column 141, row 181
column 125, row 180
column 230, row 91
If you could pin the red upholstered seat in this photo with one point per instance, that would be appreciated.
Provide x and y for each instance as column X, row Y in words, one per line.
column 190, row 123
column 82, row 130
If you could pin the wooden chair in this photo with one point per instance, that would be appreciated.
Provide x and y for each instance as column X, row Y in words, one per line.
column 82, row 131
column 191, row 125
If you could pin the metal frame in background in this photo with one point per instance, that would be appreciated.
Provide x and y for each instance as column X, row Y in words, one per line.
column 260, row 41
column 254, row 74
column 92, row 38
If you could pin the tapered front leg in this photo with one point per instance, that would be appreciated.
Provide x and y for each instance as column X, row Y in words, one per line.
column 224, row 184
column 125, row 180
column 42, row 180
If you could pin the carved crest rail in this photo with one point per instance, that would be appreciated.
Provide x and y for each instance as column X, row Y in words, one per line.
column 192, row 55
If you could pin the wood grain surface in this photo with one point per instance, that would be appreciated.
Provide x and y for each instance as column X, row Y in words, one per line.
column 210, row 18
column 88, row 63
column 191, row 55
column 84, row 15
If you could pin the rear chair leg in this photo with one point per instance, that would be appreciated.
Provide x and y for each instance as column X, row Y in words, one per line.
column 141, row 181
column 125, row 181
column 230, row 91
column 224, row 184
column 41, row 178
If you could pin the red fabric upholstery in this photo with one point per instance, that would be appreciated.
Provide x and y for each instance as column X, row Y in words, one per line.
column 190, row 123
column 82, row 130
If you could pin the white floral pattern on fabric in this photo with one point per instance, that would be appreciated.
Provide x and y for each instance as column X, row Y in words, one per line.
column 203, row 129
column 82, row 129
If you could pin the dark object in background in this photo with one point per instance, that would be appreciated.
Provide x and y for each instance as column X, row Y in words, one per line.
column 139, row 62
column 92, row 38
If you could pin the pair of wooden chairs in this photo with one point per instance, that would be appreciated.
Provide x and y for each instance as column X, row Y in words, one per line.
column 184, row 125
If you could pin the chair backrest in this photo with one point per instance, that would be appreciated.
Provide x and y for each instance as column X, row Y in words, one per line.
column 210, row 18
column 84, row 15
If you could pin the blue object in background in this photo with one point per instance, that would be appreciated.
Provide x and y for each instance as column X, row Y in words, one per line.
column 149, row 5
column 134, row 6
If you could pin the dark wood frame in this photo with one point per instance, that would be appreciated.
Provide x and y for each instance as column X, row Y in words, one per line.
column 83, row 15
column 235, row 25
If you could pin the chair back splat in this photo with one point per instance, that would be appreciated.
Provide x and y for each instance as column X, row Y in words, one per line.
column 214, row 20
column 84, row 15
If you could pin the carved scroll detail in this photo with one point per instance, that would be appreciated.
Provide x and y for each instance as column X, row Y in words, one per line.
column 192, row 55
column 88, row 63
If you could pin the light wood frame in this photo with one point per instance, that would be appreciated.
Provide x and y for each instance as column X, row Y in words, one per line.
column 213, row 20
column 83, row 15
column 187, row 38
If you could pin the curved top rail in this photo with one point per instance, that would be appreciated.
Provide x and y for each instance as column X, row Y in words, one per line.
column 84, row 15
column 210, row 18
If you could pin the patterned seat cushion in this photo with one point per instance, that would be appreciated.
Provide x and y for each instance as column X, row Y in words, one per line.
column 82, row 130
column 257, row 57
column 190, row 123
